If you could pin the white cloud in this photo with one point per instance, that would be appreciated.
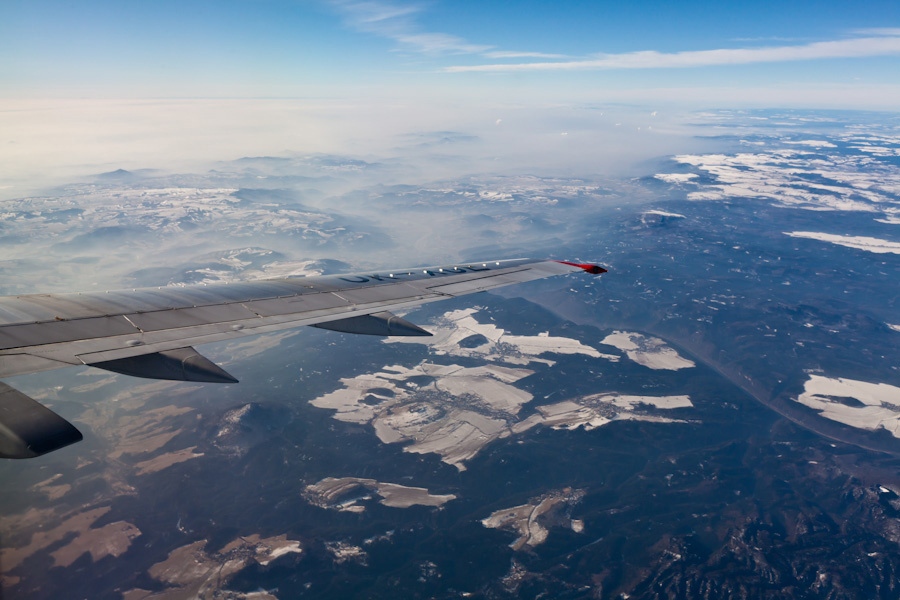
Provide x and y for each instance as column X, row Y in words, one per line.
column 395, row 21
column 772, row 38
column 376, row 12
column 515, row 54
column 891, row 31
column 650, row 59
column 434, row 43
column 851, row 241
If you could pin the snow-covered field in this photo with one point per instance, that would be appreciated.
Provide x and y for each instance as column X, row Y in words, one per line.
column 597, row 410
column 871, row 406
column 809, row 174
column 869, row 244
column 662, row 213
column 532, row 520
column 463, row 409
column 648, row 351
column 458, row 325
column 346, row 493
column 676, row 177
column 458, row 410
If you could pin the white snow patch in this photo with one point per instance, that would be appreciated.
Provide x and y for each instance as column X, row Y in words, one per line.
column 455, row 326
column 598, row 410
column 648, row 351
column 531, row 521
column 677, row 178
column 881, row 402
column 461, row 409
column 343, row 494
column 813, row 143
column 291, row 548
column 458, row 413
column 878, row 150
column 663, row 213
column 869, row 244
column 791, row 178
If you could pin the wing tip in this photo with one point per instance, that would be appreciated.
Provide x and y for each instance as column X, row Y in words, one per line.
column 588, row 268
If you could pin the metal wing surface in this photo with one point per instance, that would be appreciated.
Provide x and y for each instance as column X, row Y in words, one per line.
column 150, row 332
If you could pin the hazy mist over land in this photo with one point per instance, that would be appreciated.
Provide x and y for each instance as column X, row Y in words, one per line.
column 415, row 141
column 388, row 181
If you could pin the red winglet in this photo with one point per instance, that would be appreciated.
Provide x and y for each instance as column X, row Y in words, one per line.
column 592, row 269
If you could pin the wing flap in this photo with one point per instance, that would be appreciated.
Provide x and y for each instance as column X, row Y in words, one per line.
column 19, row 364
column 28, row 429
column 473, row 285
column 188, row 317
column 382, row 293
column 54, row 332
column 296, row 304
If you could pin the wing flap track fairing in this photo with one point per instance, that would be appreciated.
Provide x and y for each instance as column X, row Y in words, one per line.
column 183, row 364
column 29, row 429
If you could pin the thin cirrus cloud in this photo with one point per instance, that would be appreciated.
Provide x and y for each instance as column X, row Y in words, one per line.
column 891, row 31
column 515, row 54
column 437, row 43
column 883, row 45
column 397, row 22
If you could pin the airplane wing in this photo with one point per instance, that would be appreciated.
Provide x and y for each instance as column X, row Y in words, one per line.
column 150, row 332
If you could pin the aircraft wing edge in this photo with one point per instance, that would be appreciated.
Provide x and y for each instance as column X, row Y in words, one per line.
column 130, row 334
column 157, row 342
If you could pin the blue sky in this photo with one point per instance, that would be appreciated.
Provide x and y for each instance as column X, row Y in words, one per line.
column 552, row 50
